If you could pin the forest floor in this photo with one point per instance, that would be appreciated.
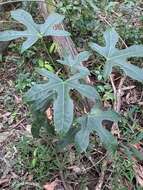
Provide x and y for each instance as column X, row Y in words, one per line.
column 32, row 164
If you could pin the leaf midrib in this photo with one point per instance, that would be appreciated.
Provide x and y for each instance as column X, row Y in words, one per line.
column 126, row 55
column 63, row 96
column 110, row 47
column 51, row 86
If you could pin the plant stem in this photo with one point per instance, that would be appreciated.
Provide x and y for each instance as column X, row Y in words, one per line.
column 47, row 51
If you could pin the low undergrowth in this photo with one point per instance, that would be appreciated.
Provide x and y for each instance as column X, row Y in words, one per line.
column 63, row 152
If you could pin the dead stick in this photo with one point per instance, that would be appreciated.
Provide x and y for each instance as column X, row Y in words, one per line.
column 64, row 43
column 63, row 181
column 117, row 107
column 101, row 178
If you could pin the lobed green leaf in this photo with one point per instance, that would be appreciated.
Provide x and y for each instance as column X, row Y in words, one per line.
column 33, row 31
column 93, row 122
column 63, row 104
column 75, row 63
column 119, row 58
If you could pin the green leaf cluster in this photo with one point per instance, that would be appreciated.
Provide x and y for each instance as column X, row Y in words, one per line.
column 40, row 94
column 58, row 91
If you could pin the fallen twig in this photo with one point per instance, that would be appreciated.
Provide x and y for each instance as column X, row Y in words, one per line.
column 63, row 181
column 117, row 105
column 101, row 178
column 115, row 129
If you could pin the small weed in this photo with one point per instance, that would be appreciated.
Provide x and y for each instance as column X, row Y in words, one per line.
column 39, row 159
column 123, row 172
column 23, row 82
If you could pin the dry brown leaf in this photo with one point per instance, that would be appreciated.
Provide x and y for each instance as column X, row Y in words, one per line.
column 18, row 99
column 49, row 114
column 75, row 169
column 4, row 136
column 30, row 177
column 51, row 186
column 3, row 181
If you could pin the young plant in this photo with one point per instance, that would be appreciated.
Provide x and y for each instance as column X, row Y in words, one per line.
column 58, row 90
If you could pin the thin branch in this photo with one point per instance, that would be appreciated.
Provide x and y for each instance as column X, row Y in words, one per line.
column 102, row 18
column 115, row 129
column 47, row 51
column 113, row 85
column 117, row 105
column 63, row 180
column 101, row 178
